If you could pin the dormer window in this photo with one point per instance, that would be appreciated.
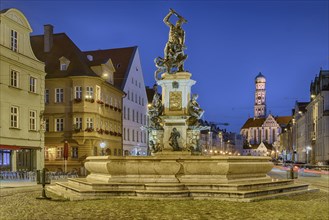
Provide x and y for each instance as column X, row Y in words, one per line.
column 64, row 63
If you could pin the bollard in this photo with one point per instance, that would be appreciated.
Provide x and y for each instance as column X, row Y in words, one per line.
column 41, row 179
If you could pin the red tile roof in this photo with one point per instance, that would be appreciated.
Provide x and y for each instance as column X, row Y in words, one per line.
column 121, row 58
column 62, row 46
column 258, row 122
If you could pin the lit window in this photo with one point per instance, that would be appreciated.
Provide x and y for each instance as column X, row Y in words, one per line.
column 89, row 92
column 14, row 77
column 14, row 117
column 59, row 95
column 33, row 84
column 59, row 152
column 59, row 124
column 13, row 40
column 33, row 120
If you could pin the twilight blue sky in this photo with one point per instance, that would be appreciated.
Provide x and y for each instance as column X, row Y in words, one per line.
column 228, row 43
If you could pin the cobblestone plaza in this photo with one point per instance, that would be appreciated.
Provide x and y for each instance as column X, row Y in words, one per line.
column 21, row 203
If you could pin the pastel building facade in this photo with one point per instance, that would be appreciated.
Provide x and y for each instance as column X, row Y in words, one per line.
column 22, row 79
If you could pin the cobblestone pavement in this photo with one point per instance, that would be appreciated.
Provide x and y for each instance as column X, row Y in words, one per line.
column 21, row 203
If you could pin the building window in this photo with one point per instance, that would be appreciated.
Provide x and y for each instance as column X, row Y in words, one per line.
column 137, row 117
column 128, row 95
column 33, row 120
column 59, row 124
column 115, row 152
column 273, row 135
column 136, row 98
column 128, row 113
column 124, row 112
column 46, row 124
column 59, row 152
column 133, row 115
column 124, row 133
column 133, row 132
column 141, row 137
column 139, row 100
column 46, row 96
column 141, row 119
column 63, row 63
column 74, row 152
column 14, row 117
column 59, row 95
column 78, row 124
column 132, row 96
column 14, row 77
column 4, row 158
column 142, row 101
column 144, row 119
column 90, row 123
column 137, row 136
column 89, row 92
column 266, row 135
column 78, row 92
column 63, row 66
column 128, row 134
column 13, row 41
column 33, row 84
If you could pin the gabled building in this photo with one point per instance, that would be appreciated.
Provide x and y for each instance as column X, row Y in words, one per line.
column 83, row 109
column 128, row 77
column 22, row 79
column 262, row 149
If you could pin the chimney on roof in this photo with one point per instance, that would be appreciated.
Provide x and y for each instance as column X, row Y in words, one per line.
column 48, row 37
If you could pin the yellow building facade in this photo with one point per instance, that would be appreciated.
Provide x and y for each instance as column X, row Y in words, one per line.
column 22, row 80
column 82, row 107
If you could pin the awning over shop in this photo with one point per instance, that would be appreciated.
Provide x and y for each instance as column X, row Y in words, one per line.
column 12, row 147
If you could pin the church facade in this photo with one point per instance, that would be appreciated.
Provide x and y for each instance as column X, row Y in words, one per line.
column 263, row 129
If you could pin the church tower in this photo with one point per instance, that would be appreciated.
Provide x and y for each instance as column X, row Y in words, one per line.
column 260, row 97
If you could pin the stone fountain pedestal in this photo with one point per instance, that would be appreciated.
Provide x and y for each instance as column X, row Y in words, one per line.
column 172, row 175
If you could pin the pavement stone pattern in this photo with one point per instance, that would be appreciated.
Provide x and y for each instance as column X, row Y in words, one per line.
column 21, row 203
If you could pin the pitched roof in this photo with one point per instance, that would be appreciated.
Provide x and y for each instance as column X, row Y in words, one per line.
column 253, row 122
column 258, row 122
column 121, row 58
column 283, row 120
column 62, row 46
column 149, row 93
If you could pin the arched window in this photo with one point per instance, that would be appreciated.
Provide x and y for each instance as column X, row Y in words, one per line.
column 273, row 135
column 266, row 135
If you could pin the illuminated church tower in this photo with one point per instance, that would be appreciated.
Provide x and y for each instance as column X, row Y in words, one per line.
column 260, row 97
